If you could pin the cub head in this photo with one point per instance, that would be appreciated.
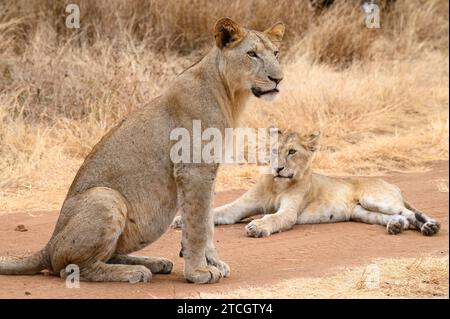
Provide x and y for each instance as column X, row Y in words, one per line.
column 249, row 58
column 295, row 154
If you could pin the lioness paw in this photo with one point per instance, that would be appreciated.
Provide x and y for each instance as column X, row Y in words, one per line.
column 141, row 274
column 206, row 275
column 257, row 228
column 161, row 266
column 222, row 266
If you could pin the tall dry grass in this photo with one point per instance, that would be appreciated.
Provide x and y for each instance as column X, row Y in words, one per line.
column 379, row 96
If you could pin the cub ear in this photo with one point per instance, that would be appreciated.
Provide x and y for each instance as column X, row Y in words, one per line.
column 227, row 33
column 276, row 33
column 312, row 142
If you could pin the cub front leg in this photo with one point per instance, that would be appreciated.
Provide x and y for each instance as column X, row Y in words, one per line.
column 195, row 184
column 245, row 206
column 282, row 220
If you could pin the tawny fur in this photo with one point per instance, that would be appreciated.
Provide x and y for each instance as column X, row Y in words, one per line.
column 297, row 195
column 127, row 191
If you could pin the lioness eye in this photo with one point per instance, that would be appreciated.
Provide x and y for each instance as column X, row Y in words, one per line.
column 292, row 151
column 252, row 54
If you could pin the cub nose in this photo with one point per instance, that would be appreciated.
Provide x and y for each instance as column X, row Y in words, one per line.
column 279, row 169
column 275, row 80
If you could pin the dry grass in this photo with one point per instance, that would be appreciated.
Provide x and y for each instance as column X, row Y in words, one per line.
column 423, row 277
column 380, row 97
column 442, row 185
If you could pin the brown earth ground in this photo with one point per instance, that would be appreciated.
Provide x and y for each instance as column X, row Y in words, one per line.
column 307, row 251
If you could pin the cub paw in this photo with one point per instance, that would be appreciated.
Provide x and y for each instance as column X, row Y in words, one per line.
column 257, row 228
column 395, row 226
column 206, row 275
column 177, row 222
column 430, row 228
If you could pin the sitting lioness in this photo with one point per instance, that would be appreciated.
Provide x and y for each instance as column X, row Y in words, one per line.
column 126, row 193
column 297, row 195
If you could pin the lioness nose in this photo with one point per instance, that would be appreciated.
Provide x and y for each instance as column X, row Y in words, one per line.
column 279, row 169
column 275, row 80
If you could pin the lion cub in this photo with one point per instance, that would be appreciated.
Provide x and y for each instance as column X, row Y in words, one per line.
column 297, row 195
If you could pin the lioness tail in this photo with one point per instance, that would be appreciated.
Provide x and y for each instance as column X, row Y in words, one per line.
column 22, row 266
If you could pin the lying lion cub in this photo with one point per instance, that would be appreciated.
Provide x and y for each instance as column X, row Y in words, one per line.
column 296, row 195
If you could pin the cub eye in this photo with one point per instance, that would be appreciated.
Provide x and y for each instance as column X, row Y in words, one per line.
column 252, row 54
column 277, row 54
column 292, row 152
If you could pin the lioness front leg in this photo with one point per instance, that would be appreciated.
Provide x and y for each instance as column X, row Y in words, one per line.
column 210, row 254
column 212, row 258
column 196, row 184
column 282, row 220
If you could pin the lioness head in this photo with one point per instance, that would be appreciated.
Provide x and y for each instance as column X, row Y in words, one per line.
column 295, row 154
column 249, row 58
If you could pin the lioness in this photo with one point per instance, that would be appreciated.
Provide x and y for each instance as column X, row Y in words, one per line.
column 296, row 195
column 128, row 189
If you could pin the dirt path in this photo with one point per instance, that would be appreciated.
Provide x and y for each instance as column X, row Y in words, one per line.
column 307, row 250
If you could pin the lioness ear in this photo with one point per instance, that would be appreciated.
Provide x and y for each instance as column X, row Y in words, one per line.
column 312, row 142
column 227, row 33
column 276, row 33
